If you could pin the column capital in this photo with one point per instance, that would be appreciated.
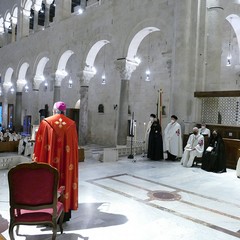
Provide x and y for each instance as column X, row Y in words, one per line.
column 6, row 86
column 125, row 67
column 20, row 84
column 85, row 76
column 214, row 4
column 58, row 79
column 48, row 3
column 38, row 79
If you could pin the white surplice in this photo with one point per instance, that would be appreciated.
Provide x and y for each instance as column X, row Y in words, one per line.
column 194, row 148
column 173, row 139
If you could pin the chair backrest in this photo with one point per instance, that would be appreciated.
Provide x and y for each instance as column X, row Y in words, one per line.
column 33, row 184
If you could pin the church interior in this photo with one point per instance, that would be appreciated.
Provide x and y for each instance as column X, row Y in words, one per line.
column 114, row 63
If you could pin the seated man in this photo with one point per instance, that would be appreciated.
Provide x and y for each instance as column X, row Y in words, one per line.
column 204, row 130
column 194, row 148
column 214, row 159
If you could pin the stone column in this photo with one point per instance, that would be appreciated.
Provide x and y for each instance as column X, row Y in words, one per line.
column 215, row 17
column 57, row 87
column 183, row 60
column 23, row 23
column 5, row 107
column 125, row 69
column 83, row 4
column 47, row 13
column 13, row 33
column 35, row 99
column 18, row 112
column 85, row 78
column 63, row 10
column 35, row 116
column 35, row 21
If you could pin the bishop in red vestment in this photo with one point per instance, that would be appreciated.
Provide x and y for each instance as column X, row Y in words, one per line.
column 57, row 144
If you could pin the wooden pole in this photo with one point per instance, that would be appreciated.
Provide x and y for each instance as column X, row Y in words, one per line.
column 160, row 106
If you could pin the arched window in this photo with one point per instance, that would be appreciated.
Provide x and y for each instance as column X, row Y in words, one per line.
column 100, row 108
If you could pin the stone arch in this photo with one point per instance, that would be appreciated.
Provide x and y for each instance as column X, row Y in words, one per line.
column 39, row 67
column 61, row 72
column 7, row 83
column 1, row 25
column 136, row 41
column 7, row 20
column 77, row 104
column 37, row 5
column 27, row 5
column 21, row 78
column 14, row 14
column 234, row 21
column 142, row 30
column 91, row 56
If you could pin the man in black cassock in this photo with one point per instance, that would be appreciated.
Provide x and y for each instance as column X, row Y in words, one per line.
column 155, row 143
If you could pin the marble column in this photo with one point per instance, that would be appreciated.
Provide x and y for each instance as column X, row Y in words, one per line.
column 214, row 18
column 125, row 69
column 85, row 78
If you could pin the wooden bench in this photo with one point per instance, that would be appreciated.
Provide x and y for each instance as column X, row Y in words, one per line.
column 10, row 146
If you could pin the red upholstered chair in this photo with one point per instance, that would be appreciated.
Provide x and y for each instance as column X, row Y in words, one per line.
column 33, row 189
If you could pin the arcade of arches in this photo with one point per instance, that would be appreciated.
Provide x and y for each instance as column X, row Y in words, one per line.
column 95, row 53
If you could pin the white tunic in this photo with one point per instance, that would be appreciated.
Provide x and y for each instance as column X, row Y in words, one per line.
column 173, row 139
column 194, row 148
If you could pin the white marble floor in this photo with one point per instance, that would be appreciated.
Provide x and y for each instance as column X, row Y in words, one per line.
column 120, row 201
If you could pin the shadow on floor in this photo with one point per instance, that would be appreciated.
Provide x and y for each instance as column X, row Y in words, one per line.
column 3, row 224
column 64, row 236
column 93, row 215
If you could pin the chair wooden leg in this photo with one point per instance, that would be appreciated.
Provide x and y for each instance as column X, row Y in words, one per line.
column 54, row 231
column 61, row 222
column 10, row 231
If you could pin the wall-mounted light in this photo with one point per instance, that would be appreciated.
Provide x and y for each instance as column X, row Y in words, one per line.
column 70, row 83
column 103, row 74
column 147, row 75
column 148, row 62
column 229, row 56
column 103, row 79
column 78, row 10
column 26, row 88
column 12, row 90
column 45, row 86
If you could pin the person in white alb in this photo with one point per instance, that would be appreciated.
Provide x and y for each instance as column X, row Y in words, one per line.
column 204, row 130
column 194, row 148
column 173, row 139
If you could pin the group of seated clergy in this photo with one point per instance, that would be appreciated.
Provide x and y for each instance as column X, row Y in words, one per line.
column 212, row 152
column 8, row 135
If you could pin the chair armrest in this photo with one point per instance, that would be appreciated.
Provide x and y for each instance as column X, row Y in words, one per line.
column 60, row 191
